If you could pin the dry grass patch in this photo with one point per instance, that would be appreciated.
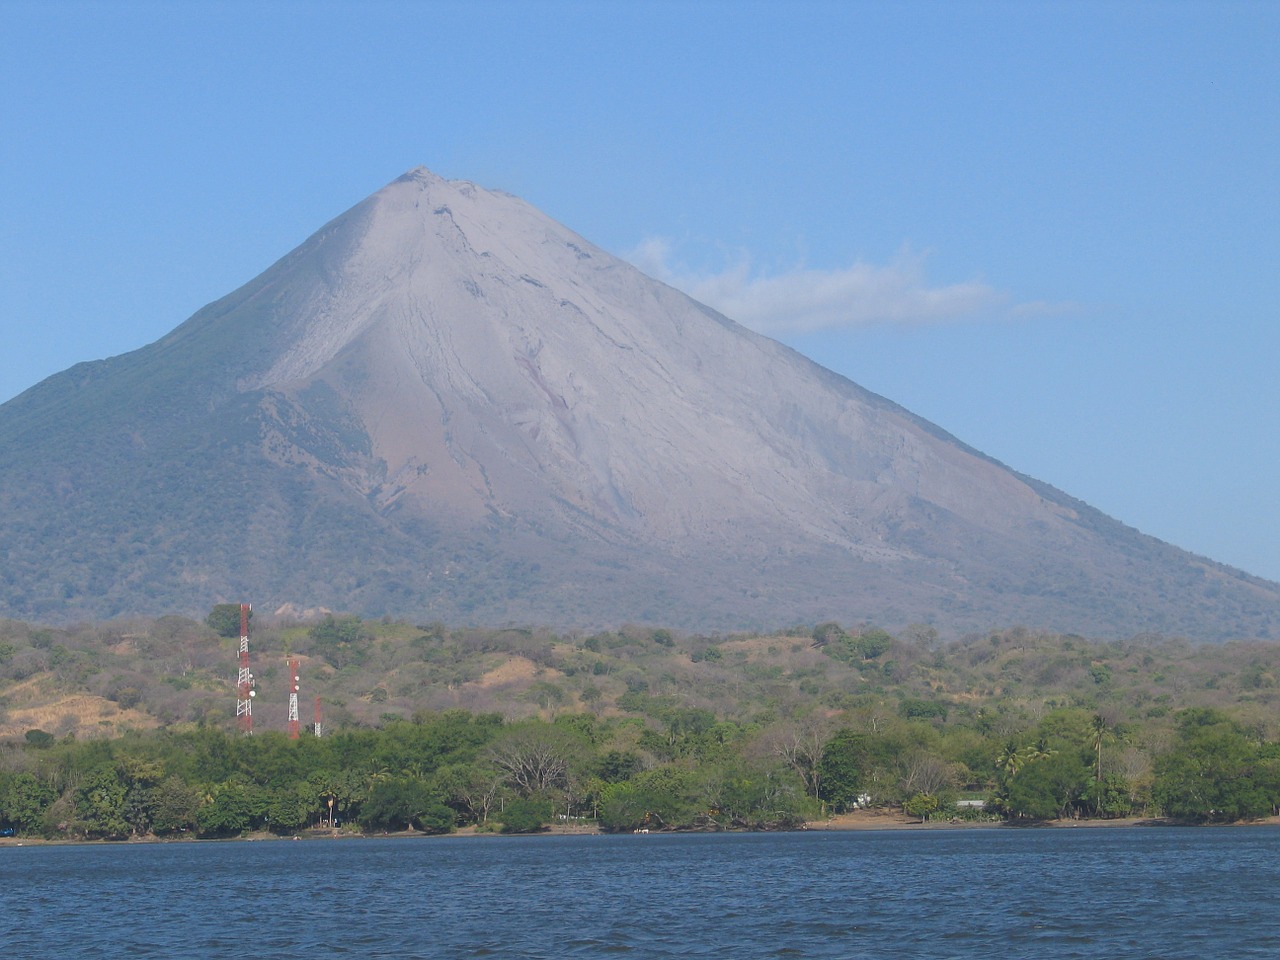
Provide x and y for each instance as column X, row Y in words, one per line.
column 82, row 714
column 764, row 648
column 513, row 670
column 35, row 689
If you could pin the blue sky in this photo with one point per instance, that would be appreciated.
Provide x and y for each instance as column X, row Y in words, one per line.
column 1049, row 228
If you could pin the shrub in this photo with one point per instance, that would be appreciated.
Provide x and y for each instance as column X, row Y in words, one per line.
column 526, row 815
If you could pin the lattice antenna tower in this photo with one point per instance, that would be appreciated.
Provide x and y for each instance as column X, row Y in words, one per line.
column 294, row 683
column 244, row 680
column 317, row 726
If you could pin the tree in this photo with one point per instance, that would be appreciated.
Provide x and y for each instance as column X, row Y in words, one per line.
column 1048, row 787
column 525, row 815
column 761, row 795
column 338, row 794
column 139, row 776
column 286, row 809
column 402, row 803
column 39, row 738
column 840, row 769
column 473, row 790
column 436, row 817
column 1108, row 792
column 618, row 765
column 1108, row 796
column 913, row 708
column 99, row 805
column 340, row 640
column 1010, row 759
column 827, row 633
column 920, row 805
column 534, row 756
column 235, row 807
column 660, row 798
column 872, row 642
column 23, row 802
column 926, row 773
column 1214, row 772
column 173, row 806
column 224, row 619
column 802, row 744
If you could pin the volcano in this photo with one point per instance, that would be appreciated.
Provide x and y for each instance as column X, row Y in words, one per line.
column 446, row 406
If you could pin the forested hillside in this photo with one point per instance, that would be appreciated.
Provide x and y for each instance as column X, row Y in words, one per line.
column 127, row 728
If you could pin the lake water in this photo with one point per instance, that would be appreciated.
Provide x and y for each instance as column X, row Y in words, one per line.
column 1036, row 893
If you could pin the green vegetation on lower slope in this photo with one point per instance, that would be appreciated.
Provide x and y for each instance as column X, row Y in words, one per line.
column 127, row 728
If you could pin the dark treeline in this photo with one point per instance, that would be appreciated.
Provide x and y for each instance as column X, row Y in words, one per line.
column 438, row 771
column 431, row 773
column 432, row 729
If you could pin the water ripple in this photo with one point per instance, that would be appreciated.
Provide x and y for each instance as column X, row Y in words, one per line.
column 1166, row 893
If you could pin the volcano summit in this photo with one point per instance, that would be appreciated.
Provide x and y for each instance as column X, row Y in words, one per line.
column 444, row 405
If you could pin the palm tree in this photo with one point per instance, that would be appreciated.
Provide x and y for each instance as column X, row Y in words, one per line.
column 1099, row 727
column 1010, row 759
column 1039, row 750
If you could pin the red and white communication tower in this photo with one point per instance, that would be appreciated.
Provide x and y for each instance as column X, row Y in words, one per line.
column 317, row 728
column 244, row 681
column 294, row 683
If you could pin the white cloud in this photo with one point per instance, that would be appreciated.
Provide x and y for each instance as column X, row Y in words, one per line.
column 804, row 300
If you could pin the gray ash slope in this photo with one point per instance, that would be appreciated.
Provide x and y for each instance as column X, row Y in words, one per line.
column 444, row 405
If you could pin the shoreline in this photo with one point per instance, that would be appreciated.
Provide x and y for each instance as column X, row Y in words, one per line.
column 896, row 820
column 859, row 821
